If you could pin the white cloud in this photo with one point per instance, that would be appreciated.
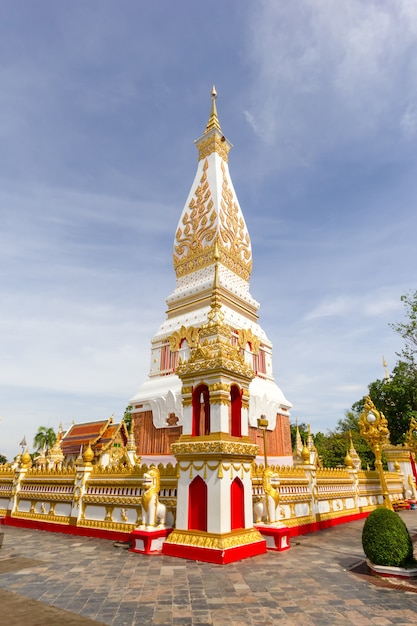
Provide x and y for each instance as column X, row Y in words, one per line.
column 340, row 306
column 373, row 304
column 326, row 72
column 409, row 121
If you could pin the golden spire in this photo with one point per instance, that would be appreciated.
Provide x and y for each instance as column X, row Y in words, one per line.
column 384, row 363
column 213, row 119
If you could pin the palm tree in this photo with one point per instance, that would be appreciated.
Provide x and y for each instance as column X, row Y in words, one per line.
column 44, row 438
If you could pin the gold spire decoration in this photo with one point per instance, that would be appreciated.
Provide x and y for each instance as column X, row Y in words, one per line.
column 213, row 139
column 384, row 363
column 305, row 454
column 88, row 455
column 348, row 461
column 298, row 442
column 213, row 121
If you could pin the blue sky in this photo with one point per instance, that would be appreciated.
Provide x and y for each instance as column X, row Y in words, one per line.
column 100, row 104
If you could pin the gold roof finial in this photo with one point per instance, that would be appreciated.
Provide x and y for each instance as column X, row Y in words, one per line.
column 213, row 119
column 384, row 363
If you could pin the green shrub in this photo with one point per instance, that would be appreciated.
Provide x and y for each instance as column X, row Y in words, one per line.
column 386, row 540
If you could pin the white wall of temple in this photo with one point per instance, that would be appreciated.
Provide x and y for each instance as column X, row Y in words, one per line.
column 219, row 418
column 181, row 520
column 187, row 416
column 218, row 498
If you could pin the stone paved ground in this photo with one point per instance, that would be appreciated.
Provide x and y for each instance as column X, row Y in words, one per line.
column 53, row 579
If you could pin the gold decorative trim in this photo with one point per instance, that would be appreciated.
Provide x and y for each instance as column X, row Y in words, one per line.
column 322, row 517
column 43, row 496
column 211, row 448
column 334, row 495
column 190, row 334
column 220, row 467
column 299, row 521
column 245, row 336
column 43, row 473
column 102, row 524
column 214, row 143
column 109, row 499
column 213, row 541
column 53, row 519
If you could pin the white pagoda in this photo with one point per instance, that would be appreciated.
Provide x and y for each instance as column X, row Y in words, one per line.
column 212, row 259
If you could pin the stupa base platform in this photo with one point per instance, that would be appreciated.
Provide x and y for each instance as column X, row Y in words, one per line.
column 212, row 548
column 276, row 537
column 148, row 541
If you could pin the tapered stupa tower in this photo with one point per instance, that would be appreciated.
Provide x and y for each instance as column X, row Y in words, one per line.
column 213, row 263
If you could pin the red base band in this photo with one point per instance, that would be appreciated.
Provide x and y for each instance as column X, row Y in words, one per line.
column 209, row 555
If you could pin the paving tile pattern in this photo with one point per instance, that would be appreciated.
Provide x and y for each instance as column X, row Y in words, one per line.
column 312, row 584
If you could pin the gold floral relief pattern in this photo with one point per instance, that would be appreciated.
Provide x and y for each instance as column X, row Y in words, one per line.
column 233, row 232
column 191, row 335
column 206, row 227
column 213, row 541
column 213, row 144
column 246, row 336
column 199, row 224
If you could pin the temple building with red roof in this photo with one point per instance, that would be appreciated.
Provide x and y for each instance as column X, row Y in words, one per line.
column 103, row 436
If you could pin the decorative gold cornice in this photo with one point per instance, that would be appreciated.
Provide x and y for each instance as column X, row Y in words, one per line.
column 106, row 525
column 203, row 445
column 53, row 519
column 111, row 499
column 292, row 521
column 335, row 514
column 214, row 143
column 214, row 541
column 42, row 496
column 45, row 474
column 215, row 366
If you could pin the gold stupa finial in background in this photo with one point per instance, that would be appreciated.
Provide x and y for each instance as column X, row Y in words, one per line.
column 384, row 363
column 213, row 119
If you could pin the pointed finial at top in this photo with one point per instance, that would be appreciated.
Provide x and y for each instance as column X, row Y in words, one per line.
column 385, row 366
column 213, row 119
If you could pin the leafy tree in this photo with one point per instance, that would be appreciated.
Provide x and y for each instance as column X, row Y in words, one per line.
column 333, row 446
column 128, row 417
column 44, row 438
column 396, row 398
column 2, row 459
column 408, row 329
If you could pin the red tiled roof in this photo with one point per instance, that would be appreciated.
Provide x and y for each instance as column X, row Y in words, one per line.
column 81, row 435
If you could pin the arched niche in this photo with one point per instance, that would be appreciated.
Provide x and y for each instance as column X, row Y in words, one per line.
column 197, row 505
column 201, row 411
column 235, row 411
column 237, row 505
